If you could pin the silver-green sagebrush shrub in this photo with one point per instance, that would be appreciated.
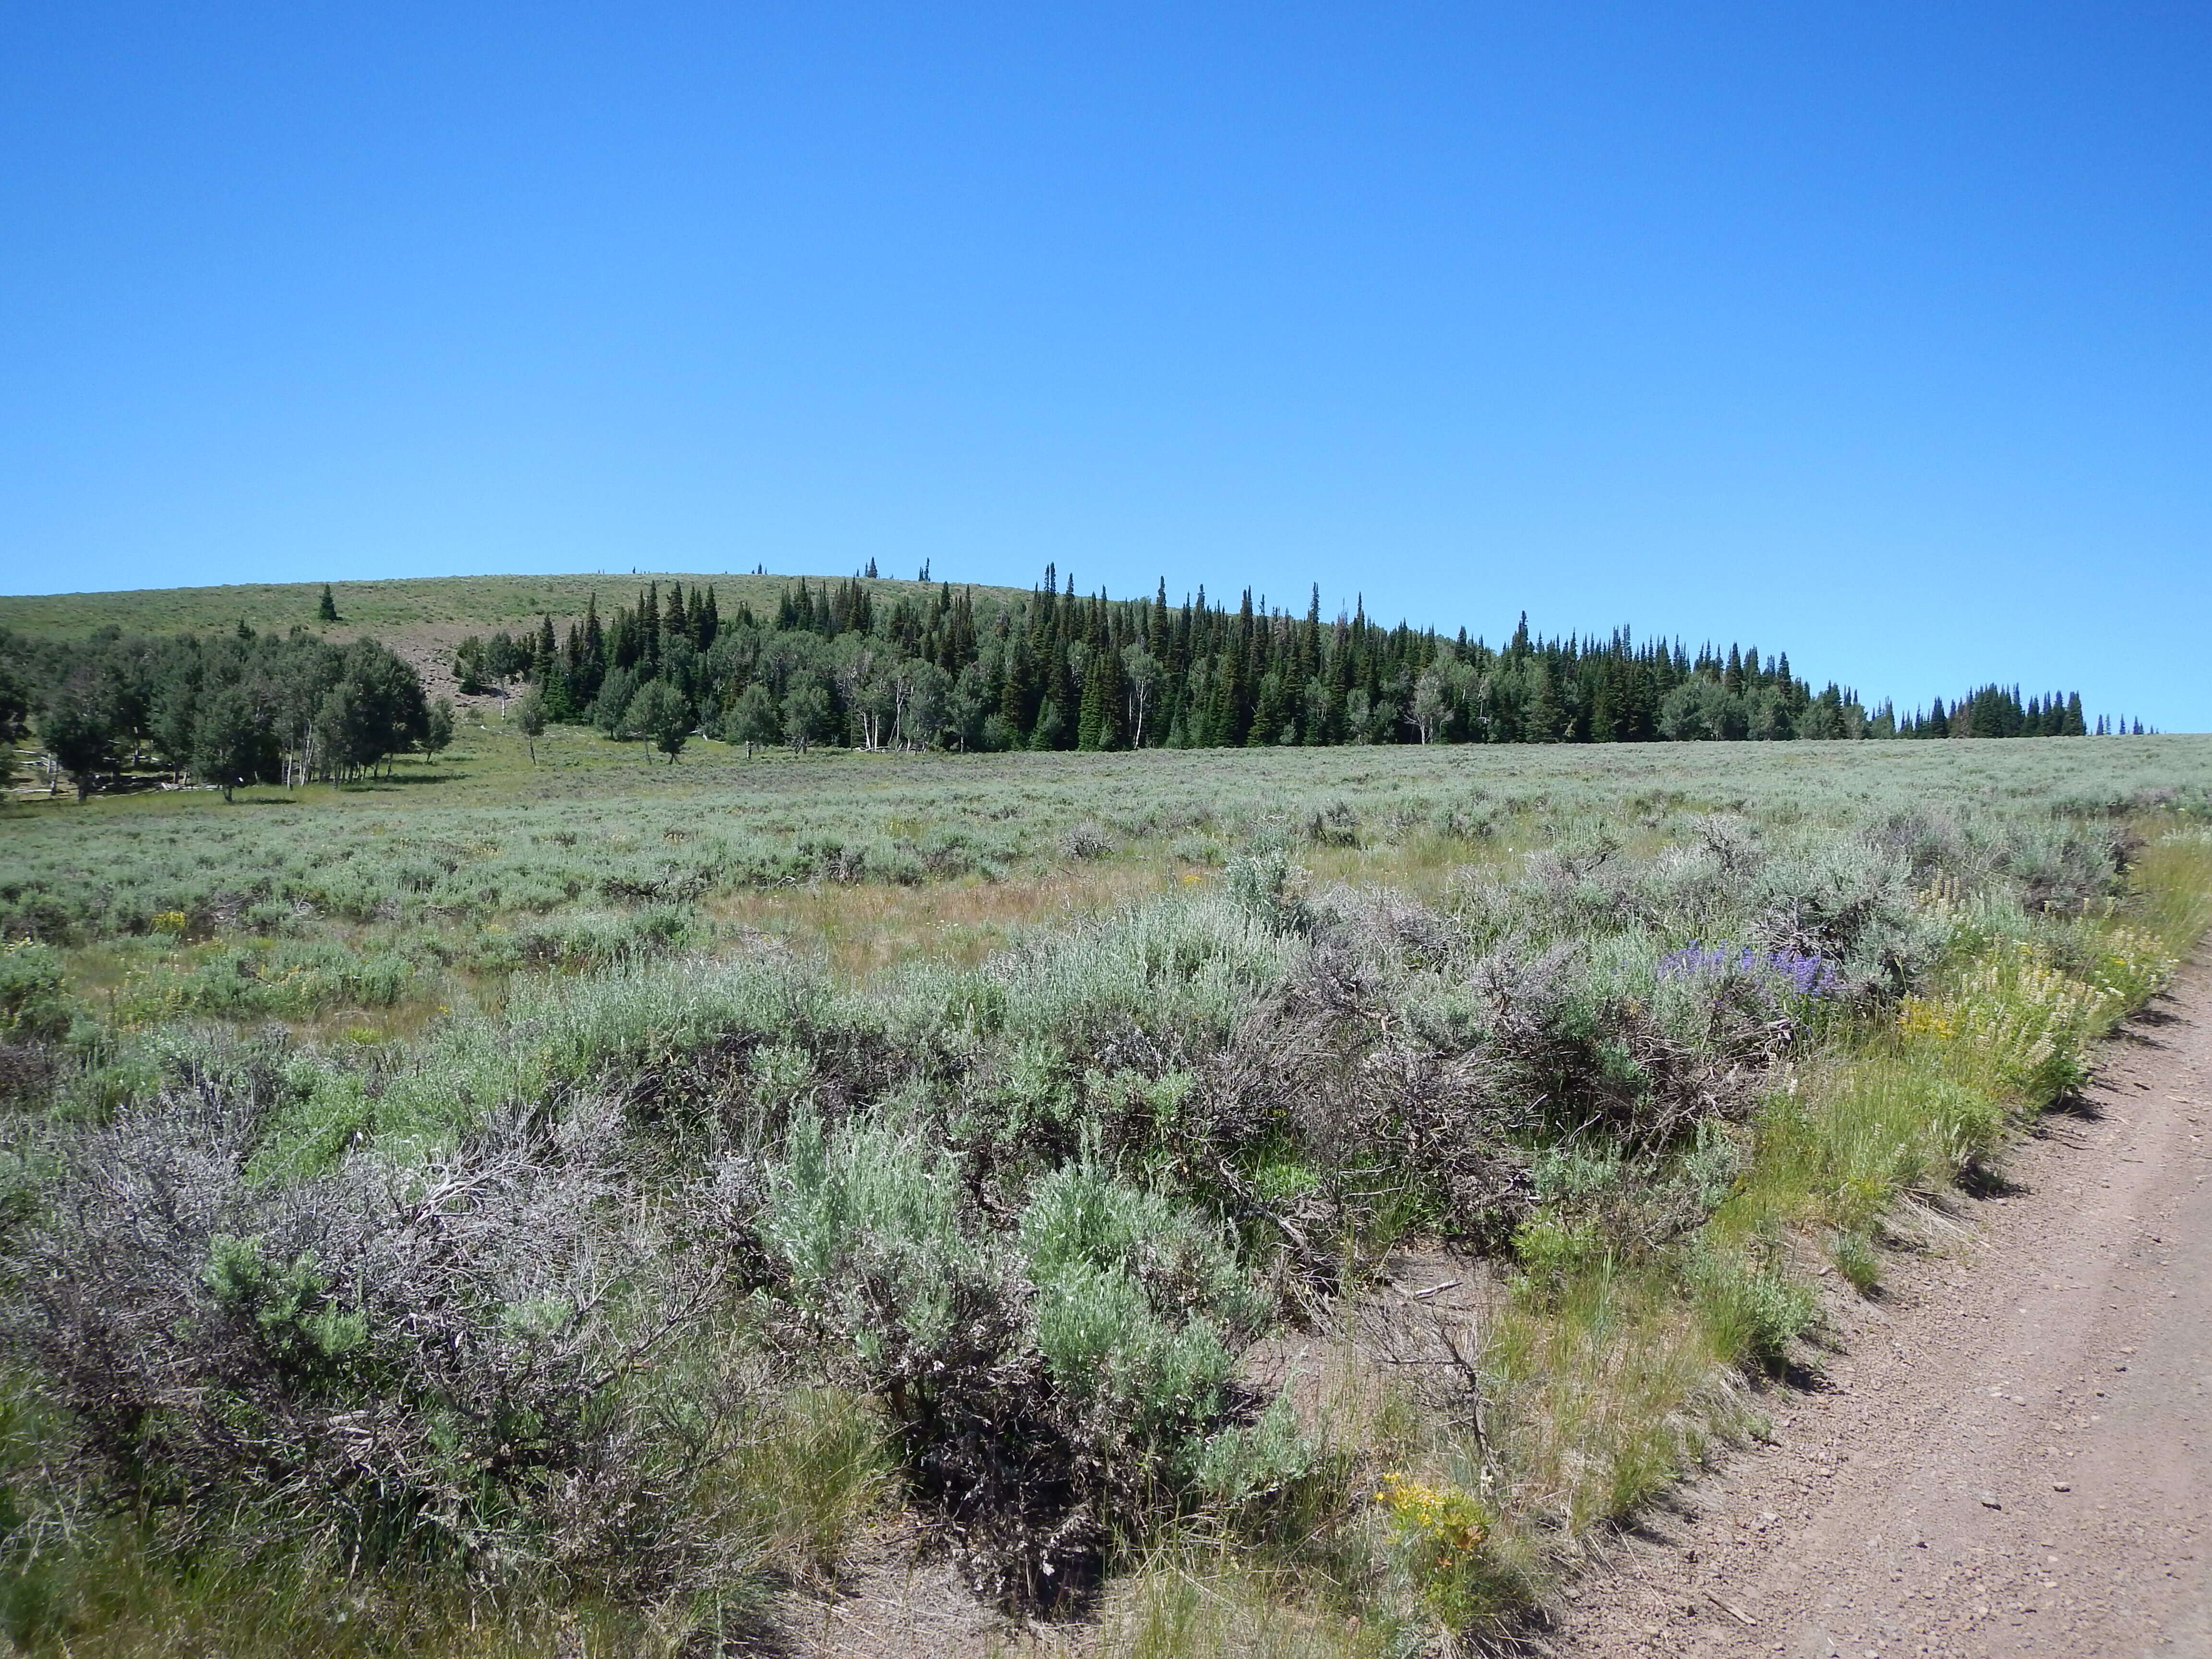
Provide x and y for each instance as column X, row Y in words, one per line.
column 1047, row 1389
column 1137, row 1301
column 33, row 1006
column 494, row 1362
column 1265, row 1481
column 1268, row 888
column 866, row 1223
column 1185, row 969
column 36, row 1012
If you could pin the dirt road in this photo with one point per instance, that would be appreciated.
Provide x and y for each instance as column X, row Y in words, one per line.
column 2009, row 1453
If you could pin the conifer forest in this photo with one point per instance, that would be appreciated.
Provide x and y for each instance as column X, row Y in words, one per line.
column 1060, row 671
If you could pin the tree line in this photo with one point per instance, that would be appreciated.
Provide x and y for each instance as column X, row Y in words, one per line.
column 839, row 662
column 227, row 709
column 843, row 663
column 1995, row 711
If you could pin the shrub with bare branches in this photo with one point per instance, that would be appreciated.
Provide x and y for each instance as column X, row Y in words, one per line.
column 497, row 1358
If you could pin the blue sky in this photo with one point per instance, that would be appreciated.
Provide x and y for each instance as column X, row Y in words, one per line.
column 1882, row 334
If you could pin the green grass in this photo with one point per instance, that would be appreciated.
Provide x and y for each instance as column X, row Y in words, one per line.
column 393, row 609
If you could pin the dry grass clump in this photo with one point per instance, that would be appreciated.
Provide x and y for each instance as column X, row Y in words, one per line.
column 1178, row 1603
column 807, row 1476
column 865, row 931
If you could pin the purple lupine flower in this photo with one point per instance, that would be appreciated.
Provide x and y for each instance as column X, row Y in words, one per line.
column 1807, row 976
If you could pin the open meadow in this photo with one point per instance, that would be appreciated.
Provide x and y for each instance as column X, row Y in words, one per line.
column 546, row 1199
column 395, row 610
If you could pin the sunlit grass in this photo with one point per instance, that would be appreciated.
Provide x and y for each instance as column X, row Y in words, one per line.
column 2174, row 885
column 864, row 929
column 1605, row 1395
column 1184, row 1604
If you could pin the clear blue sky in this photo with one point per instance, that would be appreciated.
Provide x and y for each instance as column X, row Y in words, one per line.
column 1882, row 334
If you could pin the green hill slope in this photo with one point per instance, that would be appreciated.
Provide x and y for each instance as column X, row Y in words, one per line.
column 398, row 607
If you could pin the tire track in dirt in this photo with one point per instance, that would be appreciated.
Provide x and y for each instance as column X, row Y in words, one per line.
column 2009, row 1455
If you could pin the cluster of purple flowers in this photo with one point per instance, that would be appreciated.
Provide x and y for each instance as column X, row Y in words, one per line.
column 1809, row 977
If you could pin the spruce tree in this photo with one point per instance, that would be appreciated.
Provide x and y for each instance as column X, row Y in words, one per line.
column 1544, row 716
column 1086, row 718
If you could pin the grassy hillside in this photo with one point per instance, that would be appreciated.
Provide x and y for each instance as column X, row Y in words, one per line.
column 390, row 608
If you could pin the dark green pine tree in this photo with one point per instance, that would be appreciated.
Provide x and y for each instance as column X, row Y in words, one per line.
column 1546, row 717
column 1225, row 718
column 1604, row 720
column 1112, row 696
column 1066, row 699
column 1237, row 685
column 1087, row 714
column 1018, row 688
column 1268, row 712
column 1046, row 734
column 326, row 608
column 545, row 672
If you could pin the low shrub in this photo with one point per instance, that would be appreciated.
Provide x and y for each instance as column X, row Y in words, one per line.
column 34, row 1005
column 1441, row 1535
column 1085, row 841
column 1048, row 1391
column 441, row 1365
column 1753, row 1308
